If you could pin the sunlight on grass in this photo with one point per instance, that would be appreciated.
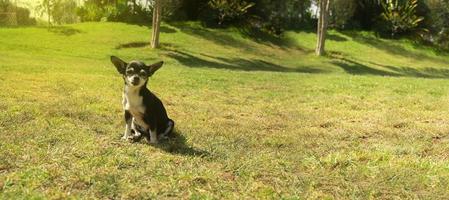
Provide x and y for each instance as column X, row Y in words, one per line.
column 254, row 119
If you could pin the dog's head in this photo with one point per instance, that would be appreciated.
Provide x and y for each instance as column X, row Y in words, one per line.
column 135, row 73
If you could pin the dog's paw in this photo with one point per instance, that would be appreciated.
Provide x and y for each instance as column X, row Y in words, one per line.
column 152, row 142
column 136, row 138
column 127, row 137
column 163, row 137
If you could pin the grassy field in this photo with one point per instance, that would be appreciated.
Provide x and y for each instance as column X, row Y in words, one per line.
column 255, row 118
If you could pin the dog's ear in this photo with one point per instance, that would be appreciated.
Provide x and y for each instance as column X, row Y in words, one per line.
column 154, row 67
column 119, row 64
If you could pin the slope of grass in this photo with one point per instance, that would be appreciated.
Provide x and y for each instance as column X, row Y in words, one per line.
column 263, row 119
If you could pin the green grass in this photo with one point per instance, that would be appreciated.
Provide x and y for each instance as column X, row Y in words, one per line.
column 255, row 120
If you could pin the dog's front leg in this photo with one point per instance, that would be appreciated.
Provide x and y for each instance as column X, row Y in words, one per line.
column 137, row 131
column 128, row 121
column 153, row 136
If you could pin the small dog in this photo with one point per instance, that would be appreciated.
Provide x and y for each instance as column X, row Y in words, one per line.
column 145, row 115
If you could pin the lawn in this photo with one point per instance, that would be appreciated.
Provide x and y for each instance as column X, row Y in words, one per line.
column 256, row 118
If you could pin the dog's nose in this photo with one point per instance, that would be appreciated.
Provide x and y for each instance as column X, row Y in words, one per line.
column 135, row 80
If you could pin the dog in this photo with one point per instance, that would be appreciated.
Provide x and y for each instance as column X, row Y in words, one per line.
column 145, row 115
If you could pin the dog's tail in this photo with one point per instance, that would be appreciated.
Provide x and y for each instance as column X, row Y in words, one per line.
column 169, row 129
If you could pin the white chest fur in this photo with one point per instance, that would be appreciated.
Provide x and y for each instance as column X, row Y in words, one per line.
column 133, row 102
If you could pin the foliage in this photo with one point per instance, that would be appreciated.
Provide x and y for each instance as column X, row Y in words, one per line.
column 11, row 14
column 130, row 11
column 229, row 10
column 400, row 15
column 58, row 11
column 191, row 9
column 437, row 21
column 341, row 13
column 44, row 8
column 277, row 16
column 122, row 10
column 367, row 14
column 90, row 12
column 64, row 12
column 386, row 17
column 170, row 8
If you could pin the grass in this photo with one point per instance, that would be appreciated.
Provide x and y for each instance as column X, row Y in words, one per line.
column 261, row 119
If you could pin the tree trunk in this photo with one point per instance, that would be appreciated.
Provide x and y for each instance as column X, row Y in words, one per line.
column 322, row 27
column 48, row 12
column 156, row 24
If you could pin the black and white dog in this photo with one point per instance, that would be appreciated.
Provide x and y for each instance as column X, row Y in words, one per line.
column 145, row 114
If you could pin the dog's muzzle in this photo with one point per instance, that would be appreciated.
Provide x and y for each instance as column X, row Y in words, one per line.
column 135, row 80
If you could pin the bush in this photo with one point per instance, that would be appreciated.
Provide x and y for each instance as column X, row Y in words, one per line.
column 90, row 12
column 14, row 15
column 400, row 16
column 366, row 14
column 275, row 16
column 190, row 9
column 170, row 9
column 64, row 12
column 437, row 21
column 341, row 13
column 229, row 10
column 130, row 11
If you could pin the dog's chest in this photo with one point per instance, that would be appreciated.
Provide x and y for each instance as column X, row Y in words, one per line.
column 133, row 102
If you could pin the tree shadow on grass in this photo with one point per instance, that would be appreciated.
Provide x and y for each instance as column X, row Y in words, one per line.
column 427, row 72
column 177, row 144
column 349, row 65
column 336, row 38
column 217, row 37
column 358, row 68
column 265, row 38
column 63, row 30
column 167, row 29
column 223, row 37
column 241, row 64
column 390, row 47
column 132, row 45
column 141, row 44
column 164, row 28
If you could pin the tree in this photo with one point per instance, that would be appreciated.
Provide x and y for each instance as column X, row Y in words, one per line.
column 324, row 6
column 156, row 23
column 46, row 7
column 58, row 11
column 64, row 12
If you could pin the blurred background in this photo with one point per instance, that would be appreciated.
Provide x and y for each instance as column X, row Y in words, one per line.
column 425, row 21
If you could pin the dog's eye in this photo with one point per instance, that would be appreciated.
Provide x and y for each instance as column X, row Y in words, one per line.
column 142, row 73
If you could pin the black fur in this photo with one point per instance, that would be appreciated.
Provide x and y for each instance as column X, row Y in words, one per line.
column 128, row 116
column 155, row 114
